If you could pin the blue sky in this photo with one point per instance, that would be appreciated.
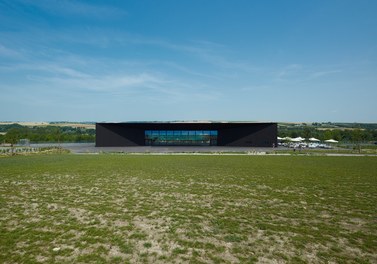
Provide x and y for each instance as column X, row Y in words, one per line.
column 294, row 61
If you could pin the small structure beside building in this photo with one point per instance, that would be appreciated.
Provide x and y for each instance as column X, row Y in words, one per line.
column 24, row 142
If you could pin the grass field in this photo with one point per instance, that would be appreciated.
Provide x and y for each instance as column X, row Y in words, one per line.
column 188, row 209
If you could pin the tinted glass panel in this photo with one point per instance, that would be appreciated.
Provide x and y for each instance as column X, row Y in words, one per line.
column 180, row 137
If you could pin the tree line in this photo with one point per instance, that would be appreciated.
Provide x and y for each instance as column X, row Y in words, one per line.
column 345, row 135
column 38, row 134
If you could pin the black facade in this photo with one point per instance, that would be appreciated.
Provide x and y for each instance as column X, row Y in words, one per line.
column 239, row 134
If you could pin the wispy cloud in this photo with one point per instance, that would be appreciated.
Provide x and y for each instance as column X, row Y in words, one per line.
column 46, row 68
column 289, row 70
column 180, row 67
column 10, row 53
column 209, row 52
column 103, row 83
column 225, row 63
column 75, row 8
column 66, row 80
column 324, row 73
column 257, row 88
column 216, row 57
column 297, row 73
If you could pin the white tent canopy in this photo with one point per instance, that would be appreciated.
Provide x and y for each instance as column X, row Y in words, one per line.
column 314, row 139
column 297, row 139
column 331, row 141
column 279, row 138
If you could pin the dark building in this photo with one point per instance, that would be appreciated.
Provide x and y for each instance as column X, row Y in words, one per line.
column 246, row 134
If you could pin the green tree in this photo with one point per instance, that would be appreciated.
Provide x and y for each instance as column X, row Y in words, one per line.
column 356, row 138
column 336, row 134
column 12, row 137
column 327, row 134
column 307, row 132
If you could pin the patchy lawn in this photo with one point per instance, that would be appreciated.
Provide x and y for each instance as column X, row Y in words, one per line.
column 187, row 209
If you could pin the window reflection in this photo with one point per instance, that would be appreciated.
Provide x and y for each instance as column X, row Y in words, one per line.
column 181, row 137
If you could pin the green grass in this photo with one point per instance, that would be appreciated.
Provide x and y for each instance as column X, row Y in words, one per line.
column 187, row 209
column 306, row 151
